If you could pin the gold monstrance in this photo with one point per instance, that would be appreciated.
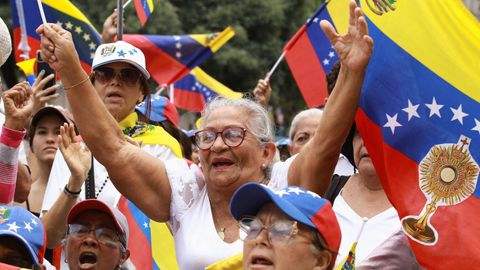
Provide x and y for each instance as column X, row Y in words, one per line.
column 448, row 176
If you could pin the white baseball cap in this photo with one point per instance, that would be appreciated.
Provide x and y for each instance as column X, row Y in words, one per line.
column 5, row 43
column 120, row 51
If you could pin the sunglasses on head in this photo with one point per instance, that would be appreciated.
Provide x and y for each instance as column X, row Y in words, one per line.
column 129, row 76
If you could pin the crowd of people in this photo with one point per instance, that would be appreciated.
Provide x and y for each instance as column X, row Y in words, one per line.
column 223, row 195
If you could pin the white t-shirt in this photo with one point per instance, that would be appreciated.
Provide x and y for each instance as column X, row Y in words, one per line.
column 376, row 230
column 197, row 243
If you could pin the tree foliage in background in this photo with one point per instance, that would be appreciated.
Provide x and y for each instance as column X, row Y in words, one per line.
column 262, row 28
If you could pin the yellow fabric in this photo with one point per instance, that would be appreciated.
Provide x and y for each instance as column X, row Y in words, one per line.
column 151, row 134
column 27, row 66
column 458, row 38
column 231, row 263
column 349, row 262
column 217, row 42
column 68, row 8
column 219, row 88
column 163, row 247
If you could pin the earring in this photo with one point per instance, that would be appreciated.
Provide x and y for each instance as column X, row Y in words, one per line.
column 263, row 166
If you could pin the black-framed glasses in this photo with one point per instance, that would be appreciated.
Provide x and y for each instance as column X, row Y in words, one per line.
column 129, row 76
column 231, row 136
column 279, row 232
column 104, row 235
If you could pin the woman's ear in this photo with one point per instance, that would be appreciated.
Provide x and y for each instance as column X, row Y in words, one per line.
column 124, row 256
column 323, row 260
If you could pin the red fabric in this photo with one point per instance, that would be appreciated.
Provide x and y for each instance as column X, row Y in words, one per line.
column 188, row 100
column 306, row 69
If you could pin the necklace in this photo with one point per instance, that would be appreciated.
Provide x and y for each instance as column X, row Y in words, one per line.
column 103, row 185
column 221, row 233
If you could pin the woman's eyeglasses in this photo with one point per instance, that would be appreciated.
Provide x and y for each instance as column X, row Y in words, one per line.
column 280, row 231
column 129, row 76
column 231, row 136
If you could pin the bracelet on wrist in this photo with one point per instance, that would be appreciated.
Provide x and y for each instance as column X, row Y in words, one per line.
column 71, row 194
column 77, row 84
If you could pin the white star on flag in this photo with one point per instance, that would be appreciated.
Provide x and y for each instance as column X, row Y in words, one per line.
column 313, row 194
column 28, row 227
column 477, row 126
column 86, row 37
column 315, row 20
column 458, row 114
column 92, row 46
column 281, row 192
column 78, row 29
column 434, row 108
column 69, row 25
column 13, row 227
column 178, row 45
column 145, row 224
column 92, row 55
column 178, row 54
column 59, row 23
column 176, row 37
column 411, row 110
column 326, row 62
column 392, row 122
column 295, row 190
column 331, row 54
column 34, row 222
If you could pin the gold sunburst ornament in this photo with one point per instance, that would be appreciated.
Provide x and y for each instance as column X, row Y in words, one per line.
column 448, row 176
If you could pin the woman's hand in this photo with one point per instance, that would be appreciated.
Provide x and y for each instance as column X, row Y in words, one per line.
column 18, row 105
column 42, row 96
column 262, row 93
column 57, row 46
column 356, row 46
column 110, row 27
column 76, row 155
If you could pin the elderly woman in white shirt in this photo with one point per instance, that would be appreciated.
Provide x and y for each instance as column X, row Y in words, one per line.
column 236, row 148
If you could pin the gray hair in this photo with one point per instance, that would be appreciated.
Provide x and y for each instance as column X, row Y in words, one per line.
column 300, row 116
column 259, row 123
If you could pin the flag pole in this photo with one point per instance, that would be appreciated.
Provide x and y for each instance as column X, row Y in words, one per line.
column 272, row 70
column 126, row 4
column 23, row 44
column 120, row 19
column 42, row 13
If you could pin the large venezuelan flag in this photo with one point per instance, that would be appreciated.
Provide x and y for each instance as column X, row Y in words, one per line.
column 196, row 89
column 169, row 58
column 144, row 9
column 62, row 12
column 419, row 116
column 310, row 57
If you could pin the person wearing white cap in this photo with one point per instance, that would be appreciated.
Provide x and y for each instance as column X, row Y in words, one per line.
column 120, row 79
column 97, row 237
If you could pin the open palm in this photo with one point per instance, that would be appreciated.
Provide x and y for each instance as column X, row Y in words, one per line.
column 76, row 155
column 356, row 46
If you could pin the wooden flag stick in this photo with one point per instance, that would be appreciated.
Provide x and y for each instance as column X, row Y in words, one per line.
column 120, row 19
column 272, row 70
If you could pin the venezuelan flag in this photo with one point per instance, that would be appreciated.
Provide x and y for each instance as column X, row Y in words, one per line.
column 172, row 57
column 26, row 19
column 196, row 89
column 310, row 57
column 419, row 116
column 28, row 68
column 144, row 9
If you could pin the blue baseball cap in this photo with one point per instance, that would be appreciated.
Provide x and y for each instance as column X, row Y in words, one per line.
column 299, row 204
column 161, row 109
column 17, row 222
